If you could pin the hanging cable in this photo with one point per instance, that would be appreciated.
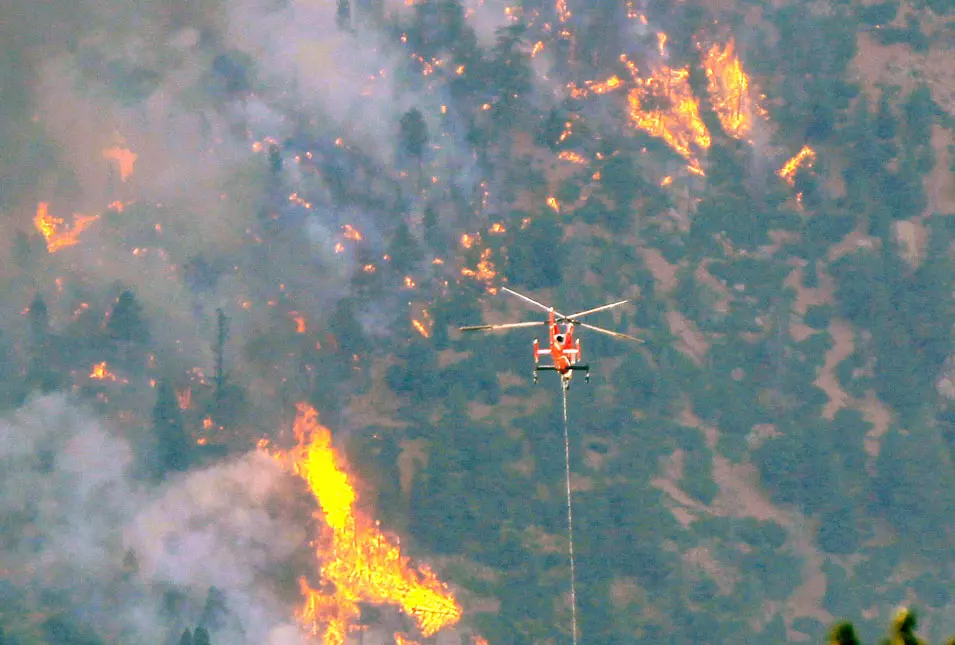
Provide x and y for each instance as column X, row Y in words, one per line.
column 570, row 525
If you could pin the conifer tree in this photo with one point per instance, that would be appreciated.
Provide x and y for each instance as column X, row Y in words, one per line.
column 201, row 637
column 404, row 250
column 843, row 634
column 172, row 443
column 186, row 638
column 126, row 321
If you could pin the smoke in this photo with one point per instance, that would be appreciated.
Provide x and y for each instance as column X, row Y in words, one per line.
column 80, row 527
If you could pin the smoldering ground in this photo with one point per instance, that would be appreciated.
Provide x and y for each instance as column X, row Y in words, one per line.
column 188, row 87
column 83, row 535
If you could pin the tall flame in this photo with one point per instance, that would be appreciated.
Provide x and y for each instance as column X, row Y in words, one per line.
column 730, row 90
column 363, row 566
column 51, row 227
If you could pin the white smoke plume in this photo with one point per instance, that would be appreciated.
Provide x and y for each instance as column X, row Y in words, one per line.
column 81, row 527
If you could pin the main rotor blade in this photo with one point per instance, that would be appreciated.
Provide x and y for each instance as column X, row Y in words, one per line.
column 531, row 300
column 532, row 323
column 615, row 334
column 581, row 314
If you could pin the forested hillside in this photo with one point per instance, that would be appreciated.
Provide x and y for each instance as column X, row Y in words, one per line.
column 221, row 216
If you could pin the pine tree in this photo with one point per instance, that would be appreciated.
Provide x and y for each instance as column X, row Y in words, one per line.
column 843, row 634
column 214, row 612
column 222, row 333
column 413, row 138
column 126, row 321
column 404, row 250
column 172, row 443
column 201, row 637
column 186, row 638
column 39, row 318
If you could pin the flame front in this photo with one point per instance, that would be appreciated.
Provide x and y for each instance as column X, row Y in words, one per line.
column 664, row 106
column 806, row 156
column 730, row 90
column 51, row 227
column 363, row 565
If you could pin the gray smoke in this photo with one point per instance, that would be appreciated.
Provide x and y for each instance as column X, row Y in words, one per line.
column 79, row 526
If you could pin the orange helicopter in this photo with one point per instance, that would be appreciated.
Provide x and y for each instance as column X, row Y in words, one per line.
column 564, row 348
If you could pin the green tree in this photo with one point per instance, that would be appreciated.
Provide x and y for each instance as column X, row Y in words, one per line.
column 39, row 318
column 404, row 250
column 126, row 321
column 201, row 637
column 412, row 139
column 173, row 447
column 843, row 634
column 186, row 638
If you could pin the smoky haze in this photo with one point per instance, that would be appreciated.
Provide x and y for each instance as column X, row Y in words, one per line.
column 121, row 553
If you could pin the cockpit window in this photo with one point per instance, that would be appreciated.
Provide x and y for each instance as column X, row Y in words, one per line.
column 559, row 338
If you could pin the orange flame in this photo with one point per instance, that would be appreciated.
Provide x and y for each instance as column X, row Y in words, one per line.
column 675, row 115
column 552, row 202
column 420, row 328
column 661, row 42
column 595, row 87
column 50, row 227
column 562, row 12
column 363, row 564
column 300, row 326
column 497, row 228
column 666, row 181
column 485, row 271
column 101, row 372
column 207, row 423
column 351, row 234
column 730, row 91
column 124, row 158
column 467, row 241
column 806, row 157
column 573, row 157
column 409, row 282
column 538, row 48
column 368, row 268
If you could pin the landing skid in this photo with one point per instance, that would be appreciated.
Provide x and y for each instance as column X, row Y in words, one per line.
column 566, row 381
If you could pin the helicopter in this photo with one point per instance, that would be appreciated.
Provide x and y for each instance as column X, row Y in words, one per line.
column 564, row 348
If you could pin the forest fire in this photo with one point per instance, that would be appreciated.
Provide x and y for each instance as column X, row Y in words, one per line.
column 554, row 204
column 51, row 228
column 351, row 234
column 420, row 328
column 101, row 372
column 806, row 157
column 362, row 565
column 484, row 272
column 572, row 157
column 300, row 326
column 421, row 320
column 664, row 106
column 124, row 158
column 730, row 90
